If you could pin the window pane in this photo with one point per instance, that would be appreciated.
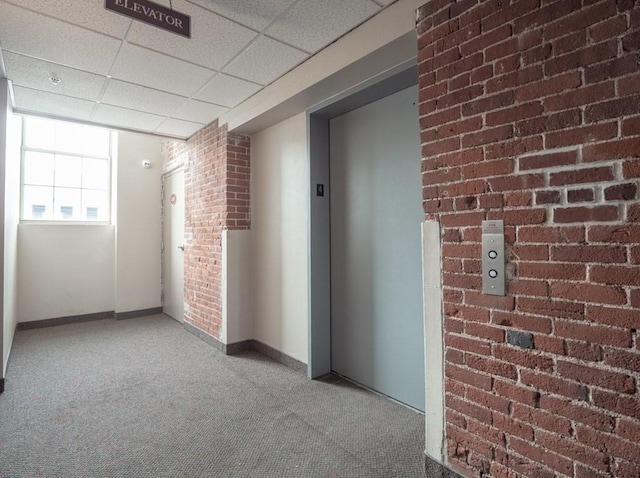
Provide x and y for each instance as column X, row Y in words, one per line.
column 95, row 173
column 38, row 168
column 66, row 204
column 95, row 142
column 68, row 171
column 69, row 137
column 37, row 202
column 39, row 133
column 95, row 205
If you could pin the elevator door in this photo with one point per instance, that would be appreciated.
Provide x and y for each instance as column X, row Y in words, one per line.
column 377, row 336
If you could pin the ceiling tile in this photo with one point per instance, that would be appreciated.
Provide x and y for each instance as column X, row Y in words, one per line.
column 89, row 14
column 214, row 40
column 179, row 128
column 256, row 14
column 32, row 73
column 32, row 34
column 137, row 97
column 227, row 91
column 46, row 103
column 125, row 118
column 274, row 58
column 313, row 24
column 148, row 68
column 199, row 111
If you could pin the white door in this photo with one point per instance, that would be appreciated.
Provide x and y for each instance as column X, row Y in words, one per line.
column 376, row 251
column 173, row 241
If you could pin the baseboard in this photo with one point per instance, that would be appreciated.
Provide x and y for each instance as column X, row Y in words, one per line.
column 133, row 314
column 435, row 469
column 280, row 357
column 238, row 347
column 1, row 385
column 39, row 324
column 215, row 343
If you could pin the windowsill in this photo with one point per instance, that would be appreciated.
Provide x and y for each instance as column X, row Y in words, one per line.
column 64, row 223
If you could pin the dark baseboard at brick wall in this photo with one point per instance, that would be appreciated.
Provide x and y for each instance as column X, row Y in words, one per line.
column 74, row 319
column 132, row 314
column 435, row 469
column 238, row 347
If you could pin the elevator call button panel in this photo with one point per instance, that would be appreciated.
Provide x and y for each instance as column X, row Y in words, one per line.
column 493, row 263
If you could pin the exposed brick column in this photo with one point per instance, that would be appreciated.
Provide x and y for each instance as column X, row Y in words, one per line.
column 530, row 113
column 216, row 198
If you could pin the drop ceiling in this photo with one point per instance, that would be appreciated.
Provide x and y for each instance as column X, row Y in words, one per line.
column 122, row 73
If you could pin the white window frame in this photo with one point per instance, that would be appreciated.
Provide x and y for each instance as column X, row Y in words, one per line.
column 109, row 158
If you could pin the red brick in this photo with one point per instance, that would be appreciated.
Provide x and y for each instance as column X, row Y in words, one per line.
column 613, row 109
column 611, row 28
column 491, row 366
column 617, row 275
column 622, row 234
column 580, row 96
column 513, row 199
column 486, row 169
column 583, row 471
column 551, row 308
column 455, row 68
column 568, row 271
column 462, row 188
column 488, row 400
column 521, row 321
column 581, row 19
column 559, row 235
column 579, row 412
column 462, row 281
column 541, row 455
column 616, row 402
column 592, row 375
column 593, row 333
column 489, row 301
column 516, row 392
column 629, row 85
column 547, row 160
column 628, row 429
column 580, row 58
column 513, row 427
column 489, row 103
column 617, row 317
column 547, row 343
column 625, row 469
column 558, row 386
column 621, row 192
column 440, row 117
column 570, row 448
column 623, row 359
column 512, row 183
column 489, row 332
column 586, row 292
column 589, row 175
column 468, row 409
column 467, row 376
column 523, row 358
column 633, row 214
column 467, row 344
column 513, row 76
column 580, row 195
column 548, row 197
column 585, row 214
column 527, row 287
column 608, row 254
column 625, row 148
column 514, row 147
column 486, row 136
column 519, row 217
column 613, row 68
column 548, row 87
column 609, row 443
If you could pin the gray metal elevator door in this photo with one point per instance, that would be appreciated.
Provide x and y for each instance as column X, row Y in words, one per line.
column 377, row 334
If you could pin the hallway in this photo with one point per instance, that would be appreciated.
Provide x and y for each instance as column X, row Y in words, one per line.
column 144, row 398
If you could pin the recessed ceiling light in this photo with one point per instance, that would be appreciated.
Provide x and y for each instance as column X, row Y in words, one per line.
column 55, row 80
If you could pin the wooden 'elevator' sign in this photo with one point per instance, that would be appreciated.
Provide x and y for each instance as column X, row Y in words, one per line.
column 153, row 14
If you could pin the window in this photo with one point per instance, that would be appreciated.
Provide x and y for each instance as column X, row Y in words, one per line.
column 66, row 171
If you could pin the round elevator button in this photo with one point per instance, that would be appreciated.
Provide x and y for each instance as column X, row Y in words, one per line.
column 493, row 254
column 493, row 273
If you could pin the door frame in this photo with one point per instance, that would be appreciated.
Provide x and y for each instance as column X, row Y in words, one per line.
column 318, row 118
column 178, row 169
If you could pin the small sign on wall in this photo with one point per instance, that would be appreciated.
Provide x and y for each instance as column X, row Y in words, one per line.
column 153, row 14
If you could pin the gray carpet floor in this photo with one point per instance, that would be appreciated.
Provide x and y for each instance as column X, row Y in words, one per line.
column 144, row 398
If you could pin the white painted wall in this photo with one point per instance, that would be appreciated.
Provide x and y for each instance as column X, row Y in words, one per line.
column 11, row 217
column 279, row 223
column 236, row 287
column 138, row 227
column 65, row 270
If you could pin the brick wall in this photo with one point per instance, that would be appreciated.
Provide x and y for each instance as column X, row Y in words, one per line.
column 217, row 197
column 530, row 113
